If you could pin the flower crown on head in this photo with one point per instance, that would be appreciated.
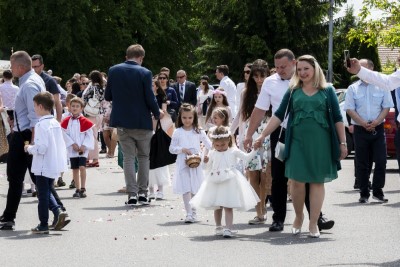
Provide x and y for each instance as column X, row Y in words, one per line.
column 219, row 92
column 219, row 136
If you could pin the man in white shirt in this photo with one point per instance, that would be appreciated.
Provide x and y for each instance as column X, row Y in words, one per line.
column 229, row 86
column 384, row 81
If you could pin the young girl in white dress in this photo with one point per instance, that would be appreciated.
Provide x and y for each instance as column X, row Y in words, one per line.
column 224, row 186
column 186, row 141
column 219, row 100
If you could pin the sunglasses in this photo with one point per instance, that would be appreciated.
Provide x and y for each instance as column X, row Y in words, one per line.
column 180, row 77
column 246, row 72
column 162, row 78
column 84, row 83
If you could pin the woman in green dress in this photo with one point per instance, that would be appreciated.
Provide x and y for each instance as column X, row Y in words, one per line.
column 316, row 138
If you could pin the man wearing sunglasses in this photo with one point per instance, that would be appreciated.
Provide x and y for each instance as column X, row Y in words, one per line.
column 51, row 84
column 185, row 90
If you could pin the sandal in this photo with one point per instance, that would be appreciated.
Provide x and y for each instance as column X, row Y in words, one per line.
column 93, row 164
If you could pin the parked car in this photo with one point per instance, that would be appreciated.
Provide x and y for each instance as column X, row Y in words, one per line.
column 389, row 126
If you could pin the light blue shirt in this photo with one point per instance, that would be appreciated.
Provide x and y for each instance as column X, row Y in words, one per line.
column 30, row 84
column 367, row 100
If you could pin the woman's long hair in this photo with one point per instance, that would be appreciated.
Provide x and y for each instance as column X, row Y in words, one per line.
column 250, row 93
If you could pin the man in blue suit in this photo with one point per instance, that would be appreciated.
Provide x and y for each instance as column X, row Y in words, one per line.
column 185, row 90
column 129, row 87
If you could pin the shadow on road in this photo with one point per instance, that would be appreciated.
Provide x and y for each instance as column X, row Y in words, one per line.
column 278, row 239
column 24, row 235
column 384, row 264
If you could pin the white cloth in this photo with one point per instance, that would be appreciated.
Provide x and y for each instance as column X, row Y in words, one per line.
column 239, row 89
column 272, row 92
column 8, row 93
column 187, row 179
column 72, row 135
column 201, row 97
column 49, row 155
column 230, row 89
column 235, row 192
column 159, row 176
column 386, row 82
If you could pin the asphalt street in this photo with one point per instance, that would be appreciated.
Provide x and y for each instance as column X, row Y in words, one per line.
column 105, row 232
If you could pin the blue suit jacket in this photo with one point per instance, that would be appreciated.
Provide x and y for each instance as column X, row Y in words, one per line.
column 129, row 87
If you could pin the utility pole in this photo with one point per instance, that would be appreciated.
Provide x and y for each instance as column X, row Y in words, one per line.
column 330, row 49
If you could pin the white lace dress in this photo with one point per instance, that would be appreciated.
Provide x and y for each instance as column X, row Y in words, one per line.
column 187, row 179
column 235, row 192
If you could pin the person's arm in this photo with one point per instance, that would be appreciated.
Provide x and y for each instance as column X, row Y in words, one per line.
column 384, row 81
column 272, row 125
column 108, row 93
column 173, row 101
column 40, row 144
column 255, row 119
column 58, row 106
column 342, row 139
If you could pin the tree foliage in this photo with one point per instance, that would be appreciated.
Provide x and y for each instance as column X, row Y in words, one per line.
column 384, row 30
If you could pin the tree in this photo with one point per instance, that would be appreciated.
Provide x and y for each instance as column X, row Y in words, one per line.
column 236, row 32
column 79, row 36
column 384, row 30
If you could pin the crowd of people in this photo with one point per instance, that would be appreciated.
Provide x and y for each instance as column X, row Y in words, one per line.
column 279, row 132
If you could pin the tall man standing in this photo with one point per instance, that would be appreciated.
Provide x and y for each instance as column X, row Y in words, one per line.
column 185, row 90
column 229, row 86
column 24, row 122
column 272, row 91
column 129, row 87
column 368, row 106
column 50, row 83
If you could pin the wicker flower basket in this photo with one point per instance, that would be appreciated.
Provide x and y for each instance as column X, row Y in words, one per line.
column 193, row 161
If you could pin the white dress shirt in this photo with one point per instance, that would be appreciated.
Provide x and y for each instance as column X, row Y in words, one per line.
column 272, row 92
column 230, row 89
column 49, row 155
column 8, row 93
column 387, row 82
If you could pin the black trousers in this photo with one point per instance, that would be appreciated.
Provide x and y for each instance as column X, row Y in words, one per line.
column 18, row 162
column 279, row 181
column 367, row 143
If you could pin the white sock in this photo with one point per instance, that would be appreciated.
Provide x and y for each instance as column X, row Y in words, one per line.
column 186, row 198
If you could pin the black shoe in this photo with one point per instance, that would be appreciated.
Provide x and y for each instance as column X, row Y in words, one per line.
column 6, row 224
column 40, row 230
column 356, row 186
column 132, row 200
column 82, row 193
column 380, row 198
column 77, row 194
column 363, row 200
column 72, row 185
column 144, row 200
column 60, row 182
column 324, row 223
column 103, row 151
column 276, row 227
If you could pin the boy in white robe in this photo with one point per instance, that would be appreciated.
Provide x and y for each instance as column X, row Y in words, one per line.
column 79, row 139
column 49, row 160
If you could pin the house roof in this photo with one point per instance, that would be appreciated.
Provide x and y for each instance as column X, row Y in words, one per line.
column 388, row 54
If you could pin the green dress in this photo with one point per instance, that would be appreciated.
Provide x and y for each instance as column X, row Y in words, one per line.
column 310, row 156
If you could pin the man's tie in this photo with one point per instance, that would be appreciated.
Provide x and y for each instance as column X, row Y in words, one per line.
column 181, row 92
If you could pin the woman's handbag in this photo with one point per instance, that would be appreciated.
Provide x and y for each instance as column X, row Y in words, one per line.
column 159, row 149
column 92, row 107
column 280, row 147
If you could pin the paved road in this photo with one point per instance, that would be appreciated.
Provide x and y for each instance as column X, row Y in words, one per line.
column 104, row 232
